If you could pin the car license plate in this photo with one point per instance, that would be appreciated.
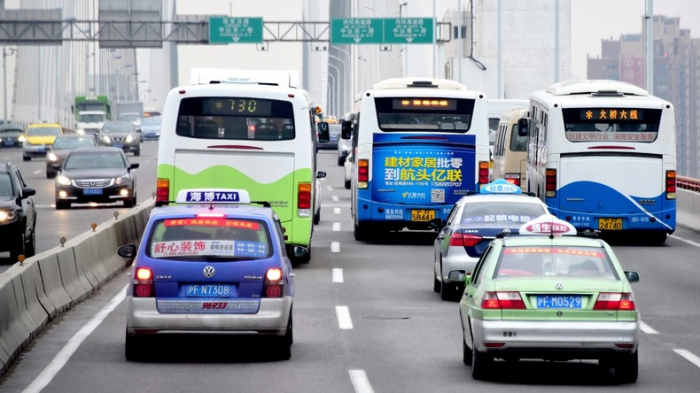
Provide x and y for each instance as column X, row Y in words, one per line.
column 611, row 224
column 558, row 301
column 118, row 145
column 208, row 290
column 8, row 143
column 92, row 191
column 422, row 215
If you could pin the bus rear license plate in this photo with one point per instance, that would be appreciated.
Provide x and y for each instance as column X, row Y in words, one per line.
column 610, row 224
column 422, row 215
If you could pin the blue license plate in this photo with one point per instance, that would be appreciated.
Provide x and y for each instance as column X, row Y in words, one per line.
column 92, row 191
column 209, row 290
column 9, row 143
column 559, row 301
column 118, row 145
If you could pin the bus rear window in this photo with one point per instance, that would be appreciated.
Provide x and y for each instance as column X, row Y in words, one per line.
column 236, row 118
column 424, row 114
column 638, row 125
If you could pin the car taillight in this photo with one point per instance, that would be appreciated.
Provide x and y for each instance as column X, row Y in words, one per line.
column 143, row 283
column 502, row 300
column 551, row 186
column 670, row 184
column 304, row 200
column 273, row 283
column 513, row 178
column 614, row 301
column 362, row 173
column 464, row 240
column 162, row 190
column 483, row 173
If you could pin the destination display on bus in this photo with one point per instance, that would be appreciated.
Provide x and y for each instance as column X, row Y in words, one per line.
column 611, row 124
column 236, row 106
column 428, row 104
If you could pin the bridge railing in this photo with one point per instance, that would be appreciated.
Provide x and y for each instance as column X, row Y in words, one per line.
column 688, row 183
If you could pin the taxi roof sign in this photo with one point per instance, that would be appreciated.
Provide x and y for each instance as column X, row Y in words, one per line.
column 500, row 186
column 547, row 224
column 212, row 195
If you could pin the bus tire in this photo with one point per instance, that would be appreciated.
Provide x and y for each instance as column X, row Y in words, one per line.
column 317, row 217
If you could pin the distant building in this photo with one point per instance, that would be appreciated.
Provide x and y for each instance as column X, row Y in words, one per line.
column 676, row 78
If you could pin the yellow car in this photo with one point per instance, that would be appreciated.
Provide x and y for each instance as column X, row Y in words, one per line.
column 38, row 138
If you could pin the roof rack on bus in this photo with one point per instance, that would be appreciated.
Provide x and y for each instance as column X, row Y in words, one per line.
column 600, row 87
column 403, row 83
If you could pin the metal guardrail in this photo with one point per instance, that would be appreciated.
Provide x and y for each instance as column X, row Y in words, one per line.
column 688, row 183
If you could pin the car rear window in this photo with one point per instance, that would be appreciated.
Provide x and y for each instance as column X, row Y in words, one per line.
column 477, row 213
column 210, row 239
column 581, row 262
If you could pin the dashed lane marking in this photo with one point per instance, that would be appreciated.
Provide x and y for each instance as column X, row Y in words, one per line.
column 692, row 243
column 334, row 198
column 335, row 246
column 336, row 226
column 329, row 188
column 336, row 210
column 36, row 172
column 337, row 275
column 343, row 314
column 646, row 328
column 689, row 356
column 360, row 381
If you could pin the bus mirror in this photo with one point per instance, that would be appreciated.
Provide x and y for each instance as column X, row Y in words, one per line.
column 346, row 129
column 522, row 127
column 323, row 133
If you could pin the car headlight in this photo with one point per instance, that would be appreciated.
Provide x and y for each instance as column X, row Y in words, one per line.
column 21, row 138
column 52, row 157
column 81, row 131
column 7, row 216
column 129, row 138
column 106, row 139
column 122, row 179
column 63, row 180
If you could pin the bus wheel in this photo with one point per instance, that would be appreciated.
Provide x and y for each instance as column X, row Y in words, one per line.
column 360, row 232
column 658, row 237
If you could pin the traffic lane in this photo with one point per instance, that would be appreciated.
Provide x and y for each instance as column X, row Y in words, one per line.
column 54, row 224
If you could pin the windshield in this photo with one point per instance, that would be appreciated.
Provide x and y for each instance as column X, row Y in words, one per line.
column 517, row 142
column 558, row 261
column 5, row 185
column 612, row 124
column 44, row 131
column 211, row 239
column 493, row 123
column 424, row 114
column 95, row 160
column 9, row 129
column 236, row 118
column 73, row 143
column 118, row 127
column 130, row 117
column 151, row 121
column 500, row 213
column 98, row 118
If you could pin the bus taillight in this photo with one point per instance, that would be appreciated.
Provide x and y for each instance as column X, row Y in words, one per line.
column 162, row 190
column 513, row 178
column 551, row 186
column 362, row 173
column 304, row 200
column 670, row 184
column 483, row 173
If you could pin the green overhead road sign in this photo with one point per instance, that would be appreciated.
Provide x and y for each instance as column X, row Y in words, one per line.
column 357, row 31
column 408, row 31
column 239, row 30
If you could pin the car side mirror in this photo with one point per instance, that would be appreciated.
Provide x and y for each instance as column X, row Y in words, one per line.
column 27, row 192
column 133, row 166
column 632, row 277
column 522, row 127
column 456, row 275
column 127, row 251
column 346, row 129
column 56, row 167
column 320, row 175
column 323, row 132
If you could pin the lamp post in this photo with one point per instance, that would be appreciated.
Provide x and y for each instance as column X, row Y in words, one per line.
column 5, row 53
column 119, row 81
column 336, row 83
column 341, row 99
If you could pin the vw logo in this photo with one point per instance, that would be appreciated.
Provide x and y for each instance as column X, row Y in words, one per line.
column 559, row 286
column 209, row 272
column 506, row 230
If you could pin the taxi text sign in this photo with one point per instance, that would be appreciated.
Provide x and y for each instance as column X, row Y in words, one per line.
column 409, row 30
column 357, row 31
column 235, row 30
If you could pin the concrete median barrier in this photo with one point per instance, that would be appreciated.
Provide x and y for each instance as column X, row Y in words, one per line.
column 87, row 258
column 77, row 286
column 14, row 334
column 34, row 288
column 56, row 290
column 33, row 321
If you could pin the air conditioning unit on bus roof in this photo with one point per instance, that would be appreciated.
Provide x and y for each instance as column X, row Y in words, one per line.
column 205, row 75
column 596, row 86
column 403, row 83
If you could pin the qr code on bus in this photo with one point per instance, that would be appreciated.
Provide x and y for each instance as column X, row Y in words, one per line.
column 437, row 195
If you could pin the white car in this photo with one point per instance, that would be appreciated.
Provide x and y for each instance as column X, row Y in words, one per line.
column 344, row 147
column 349, row 161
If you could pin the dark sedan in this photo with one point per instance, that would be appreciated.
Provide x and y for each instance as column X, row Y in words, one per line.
column 120, row 134
column 100, row 174
column 10, row 135
column 62, row 147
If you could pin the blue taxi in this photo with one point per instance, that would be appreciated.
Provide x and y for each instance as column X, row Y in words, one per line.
column 212, row 263
column 474, row 221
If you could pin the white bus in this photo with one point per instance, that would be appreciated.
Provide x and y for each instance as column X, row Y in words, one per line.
column 510, row 149
column 254, row 136
column 420, row 145
column 602, row 155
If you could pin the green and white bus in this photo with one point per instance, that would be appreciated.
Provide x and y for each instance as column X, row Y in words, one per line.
column 260, row 137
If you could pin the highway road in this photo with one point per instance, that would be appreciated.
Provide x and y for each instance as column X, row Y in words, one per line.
column 396, row 334
column 54, row 224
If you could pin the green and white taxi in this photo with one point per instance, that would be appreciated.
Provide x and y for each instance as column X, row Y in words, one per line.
column 549, row 294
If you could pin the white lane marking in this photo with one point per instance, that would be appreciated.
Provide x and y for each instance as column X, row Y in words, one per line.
column 360, row 381
column 692, row 243
column 147, row 161
column 343, row 314
column 336, row 226
column 69, row 349
column 334, row 198
column 337, row 275
column 336, row 210
column 335, row 246
column 38, row 171
column 45, row 206
column 329, row 188
column 689, row 356
column 646, row 328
